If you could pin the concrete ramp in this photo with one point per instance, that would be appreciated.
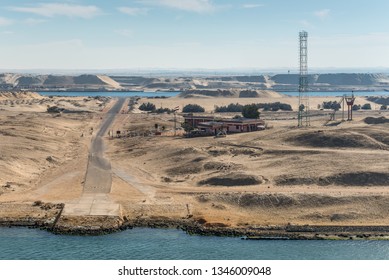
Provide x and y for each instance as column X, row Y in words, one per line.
column 90, row 204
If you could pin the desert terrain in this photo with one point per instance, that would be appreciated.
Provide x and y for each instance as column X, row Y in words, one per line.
column 331, row 174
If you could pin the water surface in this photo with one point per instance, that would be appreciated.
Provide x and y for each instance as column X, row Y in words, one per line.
column 111, row 93
column 168, row 244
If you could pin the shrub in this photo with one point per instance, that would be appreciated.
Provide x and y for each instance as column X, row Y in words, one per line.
column 275, row 106
column 333, row 105
column 384, row 107
column 285, row 107
column 163, row 110
column 193, row 108
column 229, row 108
column 54, row 109
column 149, row 107
column 250, row 111
column 366, row 106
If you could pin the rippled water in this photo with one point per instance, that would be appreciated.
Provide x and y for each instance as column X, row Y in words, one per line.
column 141, row 243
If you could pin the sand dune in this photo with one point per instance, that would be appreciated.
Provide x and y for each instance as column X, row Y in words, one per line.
column 279, row 82
column 10, row 95
column 107, row 80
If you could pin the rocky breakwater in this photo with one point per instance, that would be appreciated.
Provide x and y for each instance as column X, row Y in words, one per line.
column 88, row 225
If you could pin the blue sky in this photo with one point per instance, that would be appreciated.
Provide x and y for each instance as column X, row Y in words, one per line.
column 207, row 34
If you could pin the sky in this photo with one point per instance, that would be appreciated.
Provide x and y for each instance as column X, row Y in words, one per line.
column 192, row 34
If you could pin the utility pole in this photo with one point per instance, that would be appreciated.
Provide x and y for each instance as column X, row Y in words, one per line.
column 175, row 119
column 175, row 123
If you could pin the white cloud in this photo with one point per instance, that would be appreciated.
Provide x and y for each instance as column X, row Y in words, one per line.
column 251, row 6
column 322, row 14
column 133, row 11
column 198, row 6
column 57, row 9
column 8, row 32
column 124, row 32
column 5, row 21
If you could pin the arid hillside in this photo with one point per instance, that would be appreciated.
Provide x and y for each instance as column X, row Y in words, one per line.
column 322, row 175
column 332, row 173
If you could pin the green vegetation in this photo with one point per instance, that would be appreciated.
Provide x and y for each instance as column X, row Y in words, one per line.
column 366, row 106
column 275, row 106
column 149, row 107
column 229, row 108
column 333, row 105
column 163, row 110
column 250, row 111
column 193, row 108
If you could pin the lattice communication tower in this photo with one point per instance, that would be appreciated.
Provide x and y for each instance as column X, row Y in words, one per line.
column 303, row 114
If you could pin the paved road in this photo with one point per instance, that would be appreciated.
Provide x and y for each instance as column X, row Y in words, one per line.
column 99, row 174
column 95, row 200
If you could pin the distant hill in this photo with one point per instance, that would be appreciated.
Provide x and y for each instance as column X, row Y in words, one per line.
column 279, row 82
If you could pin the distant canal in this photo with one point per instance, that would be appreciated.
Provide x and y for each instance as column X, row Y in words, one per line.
column 111, row 93
column 175, row 93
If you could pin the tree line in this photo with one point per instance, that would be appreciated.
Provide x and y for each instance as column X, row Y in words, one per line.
column 238, row 108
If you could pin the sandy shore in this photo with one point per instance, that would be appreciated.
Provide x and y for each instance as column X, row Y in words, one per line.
column 332, row 178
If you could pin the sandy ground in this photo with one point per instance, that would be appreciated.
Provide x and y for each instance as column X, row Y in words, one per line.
column 321, row 175
column 209, row 103
column 44, row 156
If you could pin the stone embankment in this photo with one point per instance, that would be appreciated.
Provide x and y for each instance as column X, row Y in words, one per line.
column 106, row 225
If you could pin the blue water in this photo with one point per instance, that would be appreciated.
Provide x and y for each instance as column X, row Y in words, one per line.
column 339, row 93
column 175, row 93
column 111, row 93
column 154, row 244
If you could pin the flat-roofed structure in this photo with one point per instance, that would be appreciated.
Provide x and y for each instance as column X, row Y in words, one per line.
column 211, row 125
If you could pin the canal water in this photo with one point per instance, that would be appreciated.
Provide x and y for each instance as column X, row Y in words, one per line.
column 169, row 244
column 175, row 93
column 111, row 93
